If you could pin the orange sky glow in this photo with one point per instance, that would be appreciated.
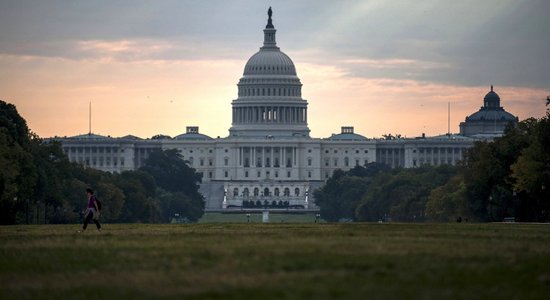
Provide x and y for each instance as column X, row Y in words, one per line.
column 383, row 67
column 145, row 98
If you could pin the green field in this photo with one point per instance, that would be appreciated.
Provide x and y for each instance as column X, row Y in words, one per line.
column 276, row 261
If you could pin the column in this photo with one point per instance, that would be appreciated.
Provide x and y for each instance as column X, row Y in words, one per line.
column 253, row 157
column 283, row 160
column 271, row 154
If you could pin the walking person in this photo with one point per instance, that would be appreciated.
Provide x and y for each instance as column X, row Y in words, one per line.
column 92, row 211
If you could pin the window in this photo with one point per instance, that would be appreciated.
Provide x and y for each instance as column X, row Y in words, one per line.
column 226, row 174
column 210, row 162
column 366, row 151
column 309, row 174
column 256, row 192
column 309, row 161
column 245, row 192
column 202, row 162
column 259, row 174
column 336, row 162
column 235, row 192
column 276, row 174
column 326, row 162
column 297, row 192
column 266, row 192
column 246, row 174
column 226, row 150
column 286, row 192
column 276, row 192
column 346, row 162
column 209, row 174
column 226, row 161
column 288, row 174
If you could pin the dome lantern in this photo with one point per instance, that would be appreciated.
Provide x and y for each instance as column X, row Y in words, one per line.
column 269, row 33
column 491, row 100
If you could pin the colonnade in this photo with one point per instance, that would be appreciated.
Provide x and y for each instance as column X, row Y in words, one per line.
column 268, row 157
column 269, row 114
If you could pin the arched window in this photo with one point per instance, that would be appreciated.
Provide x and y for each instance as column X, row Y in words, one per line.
column 346, row 162
column 266, row 192
column 245, row 192
column 235, row 192
column 287, row 192
column 276, row 192
column 256, row 192
column 297, row 192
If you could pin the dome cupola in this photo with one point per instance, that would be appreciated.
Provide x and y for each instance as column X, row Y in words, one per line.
column 491, row 99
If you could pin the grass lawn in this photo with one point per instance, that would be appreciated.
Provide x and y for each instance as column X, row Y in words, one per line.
column 276, row 261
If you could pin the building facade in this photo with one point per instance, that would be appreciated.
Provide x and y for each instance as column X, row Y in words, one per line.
column 268, row 159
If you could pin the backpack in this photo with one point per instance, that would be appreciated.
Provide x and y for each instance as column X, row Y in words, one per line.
column 98, row 203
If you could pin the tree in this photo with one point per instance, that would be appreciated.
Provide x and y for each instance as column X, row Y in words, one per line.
column 339, row 197
column 17, row 171
column 448, row 202
column 139, row 193
column 402, row 193
column 531, row 174
column 486, row 170
column 173, row 175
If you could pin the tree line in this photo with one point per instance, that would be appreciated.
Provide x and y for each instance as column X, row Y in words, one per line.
column 38, row 184
column 505, row 178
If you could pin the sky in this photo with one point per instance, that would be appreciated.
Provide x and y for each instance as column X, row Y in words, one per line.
column 384, row 67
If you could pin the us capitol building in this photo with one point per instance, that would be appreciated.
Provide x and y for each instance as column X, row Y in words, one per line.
column 269, row 157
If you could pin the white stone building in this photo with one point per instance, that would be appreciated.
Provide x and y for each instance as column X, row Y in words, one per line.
column 268, row 157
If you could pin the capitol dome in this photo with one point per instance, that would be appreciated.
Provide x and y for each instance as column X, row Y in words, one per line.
column 269, row 102
column 269, row 62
